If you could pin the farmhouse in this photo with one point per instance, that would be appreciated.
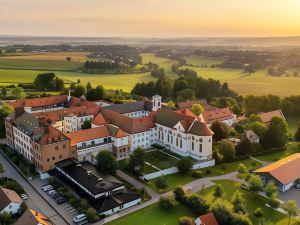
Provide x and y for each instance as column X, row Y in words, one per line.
column 106, row 197
column 267, row 116
column 221, row 115
column 32, row 217
column 10, row 201
column 251, row 136
column 285, row 172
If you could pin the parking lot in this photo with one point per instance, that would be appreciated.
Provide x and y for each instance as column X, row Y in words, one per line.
column 293, row 194
column 66, row 209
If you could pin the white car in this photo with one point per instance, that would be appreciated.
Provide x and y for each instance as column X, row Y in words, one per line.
column 24, row 196
column 79, row 218
column 47, row 188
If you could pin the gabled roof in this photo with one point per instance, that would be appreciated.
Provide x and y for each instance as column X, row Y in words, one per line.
column 88, row 134
column 285, row 170
column 207, row 219
column 129, row 125
column 27, row 123
column 170, row 118
column 186, row 112
column 217, row 115
column 131, row 107
column 189, row 104
column 250, row 134
column 37, row 102
column 200, row 129
column 57, row 115
column 267, row 116
column 116, row 132
column 7, row 197
column 99, row 120
column 31, row 217
column 48, row 135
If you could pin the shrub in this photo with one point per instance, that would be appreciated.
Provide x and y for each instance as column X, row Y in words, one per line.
column 92, row 215
column 184, row 165
column 167, row 202
column 186, row 221
column 161, row 182
column 179, row 194
column 197, row 174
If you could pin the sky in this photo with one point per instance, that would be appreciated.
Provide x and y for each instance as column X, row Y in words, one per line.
column 150, row 18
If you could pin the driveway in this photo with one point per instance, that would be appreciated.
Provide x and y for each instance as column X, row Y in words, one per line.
column 34, row 201
column 292, row 194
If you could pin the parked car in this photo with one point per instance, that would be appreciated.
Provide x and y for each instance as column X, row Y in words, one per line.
column 61, row 200
column 47, row 188
column 51, row 192
column 24, row 196
column 55, row 195
column 79, row 218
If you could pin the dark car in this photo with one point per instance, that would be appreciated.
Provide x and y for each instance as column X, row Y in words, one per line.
column 61, row 200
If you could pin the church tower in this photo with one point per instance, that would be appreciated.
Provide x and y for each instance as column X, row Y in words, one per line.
column 156, row 102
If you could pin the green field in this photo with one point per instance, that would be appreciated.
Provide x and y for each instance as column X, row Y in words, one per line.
column 179, row 179
column 154, row 215
column 253, row 201
column 292, row 148
column 202, row 61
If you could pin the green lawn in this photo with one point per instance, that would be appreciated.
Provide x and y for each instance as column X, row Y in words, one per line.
column 202, row 60
column 149, row 169
column 292, row 148
column 160, row 160
column 154, row 215
column 253, row 201
column 293, row 123
column 178, row 179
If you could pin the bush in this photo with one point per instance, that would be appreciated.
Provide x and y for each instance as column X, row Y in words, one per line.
column 179, row 194
column 161, row 182
column 92, row 215
column 186, row 221
column 167, row 202
column 184, row 165
column 197, row 174
column 242, row 169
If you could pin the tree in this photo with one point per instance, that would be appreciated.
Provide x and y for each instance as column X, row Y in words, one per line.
column 19, row 93
column 86, row 125
column 5, row 110
column 88, row 87
column 222, row 211
column 276, row 135
column 197, row 109
column 238, row 202
column 161, row 182
column 92, row 215
column 297, row 134
column 79, row 91
column 226, row 149
column 240, row 219
column 242, row 169
column 185, row 94
column 184, row 165
column 48, row 82
column 106, row 162
column 179, row 195
column 258, row 213
column 186, row 221
column 68, row 58
column 137, row 161
column 271, row 189
column 3, row 91
column 6, row 218
column 291, row 208
column 221, row 130
column 95, row 94
column 255, row 184
column 198, row 204
column 219, row 191
column 274, row 201
column 244, row 147
column 167, row 202
column 259, row 128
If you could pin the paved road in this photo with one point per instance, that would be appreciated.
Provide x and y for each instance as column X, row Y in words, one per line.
column 35, row 201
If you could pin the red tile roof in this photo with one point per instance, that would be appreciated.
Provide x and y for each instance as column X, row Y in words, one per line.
column 99, row 120
column 34, row 102
column 267, row 117
column 189, row 104
column 8, row 196
column 285, row 170
column 88, row 134
column 217, row 115
column 186, row 112
column 50, row 135
column 58, row 115
column 209, row 219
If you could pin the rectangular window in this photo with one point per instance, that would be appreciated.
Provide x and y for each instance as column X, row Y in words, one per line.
column 56, row 147
column 200, row 148
column 53, row 158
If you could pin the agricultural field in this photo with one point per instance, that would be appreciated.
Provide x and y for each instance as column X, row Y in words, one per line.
column 154, row 215
column 259, row 83
column 253, row 201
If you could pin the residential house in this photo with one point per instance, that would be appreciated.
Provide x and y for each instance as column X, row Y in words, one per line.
column 266, row 117
column 251, row 136
column 222, row 115
column 207, row 219
column 10, row 201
